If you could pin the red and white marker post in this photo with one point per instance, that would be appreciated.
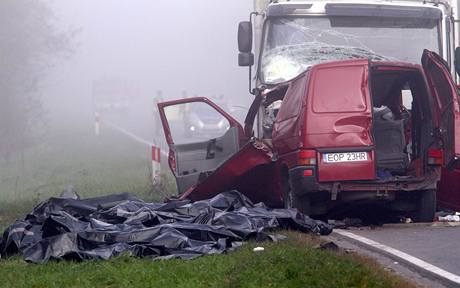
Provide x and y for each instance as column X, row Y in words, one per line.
column 156, row 164
column 97, row 123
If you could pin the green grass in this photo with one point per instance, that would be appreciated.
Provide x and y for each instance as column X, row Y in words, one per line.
column 289, row 263
column 94, row 165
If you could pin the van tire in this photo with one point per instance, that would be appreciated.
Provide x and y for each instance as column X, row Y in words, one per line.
column 426, row 208
column 292, row 200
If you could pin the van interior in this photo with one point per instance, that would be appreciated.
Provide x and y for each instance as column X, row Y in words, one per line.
column 402, row 120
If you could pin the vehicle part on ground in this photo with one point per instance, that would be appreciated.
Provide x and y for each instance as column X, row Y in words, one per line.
column 104, row 227
column 448, row 196
column 426, row 209
column 449, row 218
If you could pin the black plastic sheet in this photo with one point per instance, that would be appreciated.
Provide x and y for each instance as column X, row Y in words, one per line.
column 104, row 227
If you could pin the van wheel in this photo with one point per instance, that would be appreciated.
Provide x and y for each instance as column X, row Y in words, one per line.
column 426, row 206
column 291, row 200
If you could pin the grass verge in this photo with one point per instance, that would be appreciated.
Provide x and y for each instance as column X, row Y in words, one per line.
column 110, row 163
column 289, row 263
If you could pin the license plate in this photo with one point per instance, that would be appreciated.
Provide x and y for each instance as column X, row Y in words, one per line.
column 344, row 157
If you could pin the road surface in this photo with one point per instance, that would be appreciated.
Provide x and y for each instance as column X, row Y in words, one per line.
column 433, row 250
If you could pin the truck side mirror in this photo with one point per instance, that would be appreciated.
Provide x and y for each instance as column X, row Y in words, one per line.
column 457, row 60
column 245, row 57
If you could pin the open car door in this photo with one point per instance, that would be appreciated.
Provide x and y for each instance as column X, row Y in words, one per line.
column 446, row 105
column 200, row 135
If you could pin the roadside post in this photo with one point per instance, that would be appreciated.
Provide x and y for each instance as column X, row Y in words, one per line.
column 156, row 165
column 97, row 123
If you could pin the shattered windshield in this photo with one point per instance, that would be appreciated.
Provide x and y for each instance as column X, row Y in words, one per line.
column 291, row 45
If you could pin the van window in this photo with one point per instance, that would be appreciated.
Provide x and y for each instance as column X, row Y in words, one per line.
column 343, row 94
column 407, row 98
column 195, row 122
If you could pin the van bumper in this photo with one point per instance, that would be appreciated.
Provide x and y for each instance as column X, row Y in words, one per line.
column 302, row 184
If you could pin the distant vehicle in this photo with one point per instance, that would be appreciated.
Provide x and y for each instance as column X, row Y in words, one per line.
column 114, row 97
column 202, row 122
column 368, row 130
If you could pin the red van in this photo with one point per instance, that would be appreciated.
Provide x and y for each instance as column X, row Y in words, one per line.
column 342, row 133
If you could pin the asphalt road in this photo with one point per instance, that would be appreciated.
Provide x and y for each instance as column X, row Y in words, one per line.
column 437, row 244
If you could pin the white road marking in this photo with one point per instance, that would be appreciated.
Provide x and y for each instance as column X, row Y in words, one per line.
column 133, row 136
column 409, row 258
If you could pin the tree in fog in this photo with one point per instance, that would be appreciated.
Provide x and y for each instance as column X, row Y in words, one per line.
column 29, row 42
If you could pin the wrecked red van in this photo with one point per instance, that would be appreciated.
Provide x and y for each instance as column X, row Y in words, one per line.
column 341, row 133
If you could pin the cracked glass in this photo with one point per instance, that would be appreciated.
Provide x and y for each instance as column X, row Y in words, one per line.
column 293, row 44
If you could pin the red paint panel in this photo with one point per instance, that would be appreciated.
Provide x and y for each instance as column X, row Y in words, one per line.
column 288, row 123
column 449, row 190
column 447, row 108
column 339, row 117
column 230, row 174
column 335, row 80
column 346, row 94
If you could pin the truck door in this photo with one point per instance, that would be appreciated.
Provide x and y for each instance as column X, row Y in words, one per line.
column 446, row 105
column 200, row 136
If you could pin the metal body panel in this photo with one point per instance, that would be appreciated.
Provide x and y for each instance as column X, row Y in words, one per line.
column 446, row 106
column 190, row 161
column 339, row 115
column 448, row 190
column 251, row 171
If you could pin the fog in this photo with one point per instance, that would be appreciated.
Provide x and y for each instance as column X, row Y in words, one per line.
column 172, row 46
column 129, row 50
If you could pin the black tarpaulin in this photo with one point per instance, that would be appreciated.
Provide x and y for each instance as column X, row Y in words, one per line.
column 103, row 227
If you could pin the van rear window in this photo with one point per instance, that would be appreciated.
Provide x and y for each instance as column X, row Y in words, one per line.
column 339, row 89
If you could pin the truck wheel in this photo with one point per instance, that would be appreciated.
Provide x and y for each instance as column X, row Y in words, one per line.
column 426, row 206
column 291, row 200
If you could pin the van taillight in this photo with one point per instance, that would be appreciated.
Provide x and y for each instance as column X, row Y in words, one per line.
column 307, row 157
column 435, row 156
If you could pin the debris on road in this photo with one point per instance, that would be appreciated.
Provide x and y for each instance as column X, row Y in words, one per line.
column 405, row 220
column 329, row 246
column 345, row 223
column 450, row 218
column 103, row 227
column 258, row 249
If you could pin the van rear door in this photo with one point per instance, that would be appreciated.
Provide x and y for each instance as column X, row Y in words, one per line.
column 200, row 135
column 339, row 121
column 446, row 105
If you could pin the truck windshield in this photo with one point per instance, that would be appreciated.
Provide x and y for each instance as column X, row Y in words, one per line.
column 293, row 44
